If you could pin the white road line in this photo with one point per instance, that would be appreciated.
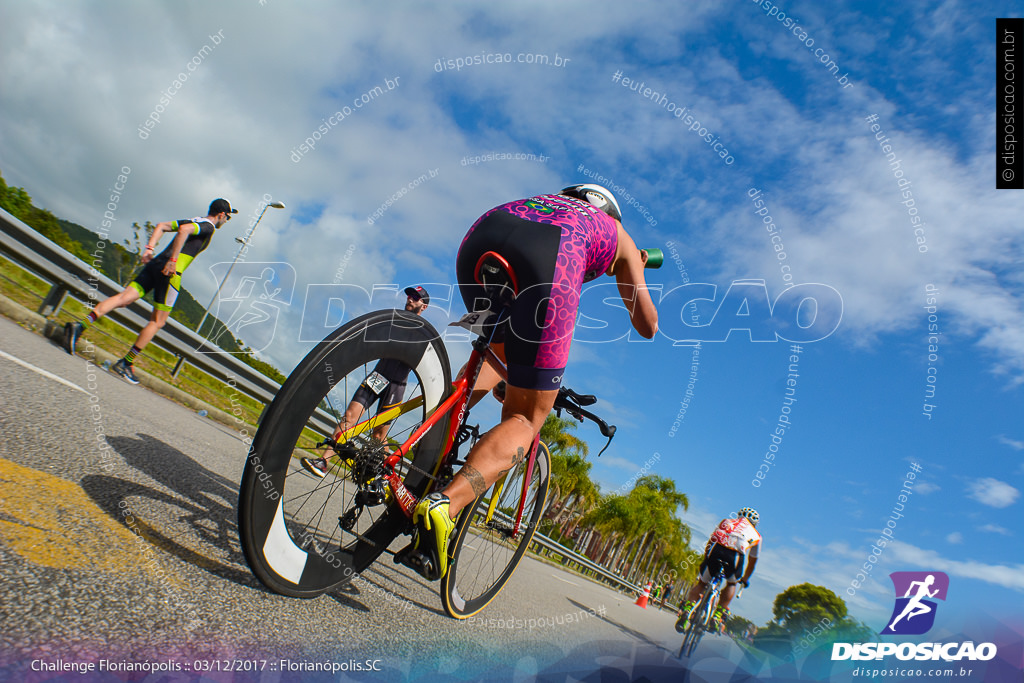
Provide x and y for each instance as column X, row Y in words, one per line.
column 566, row 581
column 42, row 372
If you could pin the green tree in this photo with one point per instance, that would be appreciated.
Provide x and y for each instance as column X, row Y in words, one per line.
column 800, row 608
column 569, row 467
column 850, row 630
column 774, row 639
column 18, row 203
column 129, row 257
column 737, row 626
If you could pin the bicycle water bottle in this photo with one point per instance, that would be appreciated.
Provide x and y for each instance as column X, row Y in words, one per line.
column 655, row 257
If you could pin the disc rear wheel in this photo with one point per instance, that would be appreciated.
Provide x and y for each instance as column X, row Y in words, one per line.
column 301, row 533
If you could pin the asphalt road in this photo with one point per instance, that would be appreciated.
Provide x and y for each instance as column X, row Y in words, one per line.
column 130, row 554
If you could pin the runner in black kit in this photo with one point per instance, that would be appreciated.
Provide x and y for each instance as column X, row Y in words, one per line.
column 385, row 385
column 162, row 274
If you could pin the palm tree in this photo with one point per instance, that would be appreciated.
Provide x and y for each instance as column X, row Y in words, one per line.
column 555, row 433
column 568, row 460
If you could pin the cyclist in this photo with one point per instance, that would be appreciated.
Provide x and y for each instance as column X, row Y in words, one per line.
column 554, row 243
column 733, row 540
column 161, row 274
column 385, row 386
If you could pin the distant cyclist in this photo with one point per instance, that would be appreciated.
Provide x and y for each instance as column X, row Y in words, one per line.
column 554, row 243
column 733, row 541
column 161, row 274
column 385, row 386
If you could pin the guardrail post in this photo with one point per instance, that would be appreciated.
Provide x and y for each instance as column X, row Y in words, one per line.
column 177, row 367
column 54, row 300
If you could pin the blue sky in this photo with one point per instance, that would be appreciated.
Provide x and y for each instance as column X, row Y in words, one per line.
column 79, row 81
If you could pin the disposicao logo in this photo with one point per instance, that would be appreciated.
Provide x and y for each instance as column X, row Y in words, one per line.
column 914, row 613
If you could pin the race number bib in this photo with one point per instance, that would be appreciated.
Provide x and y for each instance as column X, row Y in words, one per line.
column 376, row 383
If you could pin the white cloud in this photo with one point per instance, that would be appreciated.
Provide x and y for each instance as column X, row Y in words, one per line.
column 992, row 492
column 995, row 529
column 1012, row 443
column 231, row 129
column 926, row 487
column 1005, row 576
column 955, row 538
column 621, row 463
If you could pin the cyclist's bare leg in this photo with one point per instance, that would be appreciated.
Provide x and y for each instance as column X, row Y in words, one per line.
column 522, row 415
column 123, row 298
column 728, row 593
column 696, row 591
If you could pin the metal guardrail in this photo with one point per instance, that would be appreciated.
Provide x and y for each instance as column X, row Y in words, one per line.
column 68, row 274
column 572, row 557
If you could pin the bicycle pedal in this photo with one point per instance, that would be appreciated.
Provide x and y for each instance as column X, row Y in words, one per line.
column 422, row 563
column 401, row 556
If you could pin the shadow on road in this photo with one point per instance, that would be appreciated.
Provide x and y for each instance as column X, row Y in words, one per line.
column 625, row 629
column 195, row 522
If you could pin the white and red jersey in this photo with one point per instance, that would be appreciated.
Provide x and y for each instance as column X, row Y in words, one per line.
column 738, row 534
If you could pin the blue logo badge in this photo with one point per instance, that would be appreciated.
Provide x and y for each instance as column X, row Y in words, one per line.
column 916, row 592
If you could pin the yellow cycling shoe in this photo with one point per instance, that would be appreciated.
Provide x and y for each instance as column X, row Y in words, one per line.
column 434, row 526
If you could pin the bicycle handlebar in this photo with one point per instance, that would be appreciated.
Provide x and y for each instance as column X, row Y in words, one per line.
column 572, row 403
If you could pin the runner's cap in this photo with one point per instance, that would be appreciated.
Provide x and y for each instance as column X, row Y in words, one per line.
column 418, row 293
column 220, row 206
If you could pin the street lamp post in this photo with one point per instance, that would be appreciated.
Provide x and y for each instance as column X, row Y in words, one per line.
column 244, row 243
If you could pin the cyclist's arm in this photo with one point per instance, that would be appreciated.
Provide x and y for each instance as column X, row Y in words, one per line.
column 628, row 270
column 751, row 561
column 184, row 231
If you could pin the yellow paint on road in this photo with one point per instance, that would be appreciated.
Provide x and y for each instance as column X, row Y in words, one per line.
column 52, row 522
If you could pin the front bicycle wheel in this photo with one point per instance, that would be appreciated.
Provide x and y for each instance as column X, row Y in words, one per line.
column 485, row 547
column 698, row 624
column 303, row 533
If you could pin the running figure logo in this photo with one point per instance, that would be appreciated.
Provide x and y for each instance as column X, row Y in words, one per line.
column 252, row 300
column 914, row 613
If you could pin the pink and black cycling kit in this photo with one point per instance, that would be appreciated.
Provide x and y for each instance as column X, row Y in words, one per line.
column 554, row 244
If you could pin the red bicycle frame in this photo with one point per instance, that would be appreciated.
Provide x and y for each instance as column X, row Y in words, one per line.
column 457, row 405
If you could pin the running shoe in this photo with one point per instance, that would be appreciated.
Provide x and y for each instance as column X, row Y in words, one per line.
column 125, row 370
column 315, row 466
column 72, row 331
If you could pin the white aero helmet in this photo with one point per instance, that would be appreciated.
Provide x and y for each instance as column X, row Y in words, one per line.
column 597, row 196
column 750, row 514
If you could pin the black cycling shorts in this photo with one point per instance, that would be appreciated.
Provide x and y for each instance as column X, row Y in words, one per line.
column 389, row 397
column 531, row 249
column 728, row 560
column 165, row 287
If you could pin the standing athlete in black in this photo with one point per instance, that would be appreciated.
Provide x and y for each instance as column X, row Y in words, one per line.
column 385, row 386
column 162, row 274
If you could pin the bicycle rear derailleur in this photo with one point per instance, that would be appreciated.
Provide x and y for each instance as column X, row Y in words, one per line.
column 367, row 471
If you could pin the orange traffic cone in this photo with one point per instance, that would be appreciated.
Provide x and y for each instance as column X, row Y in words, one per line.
column 642, row 600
